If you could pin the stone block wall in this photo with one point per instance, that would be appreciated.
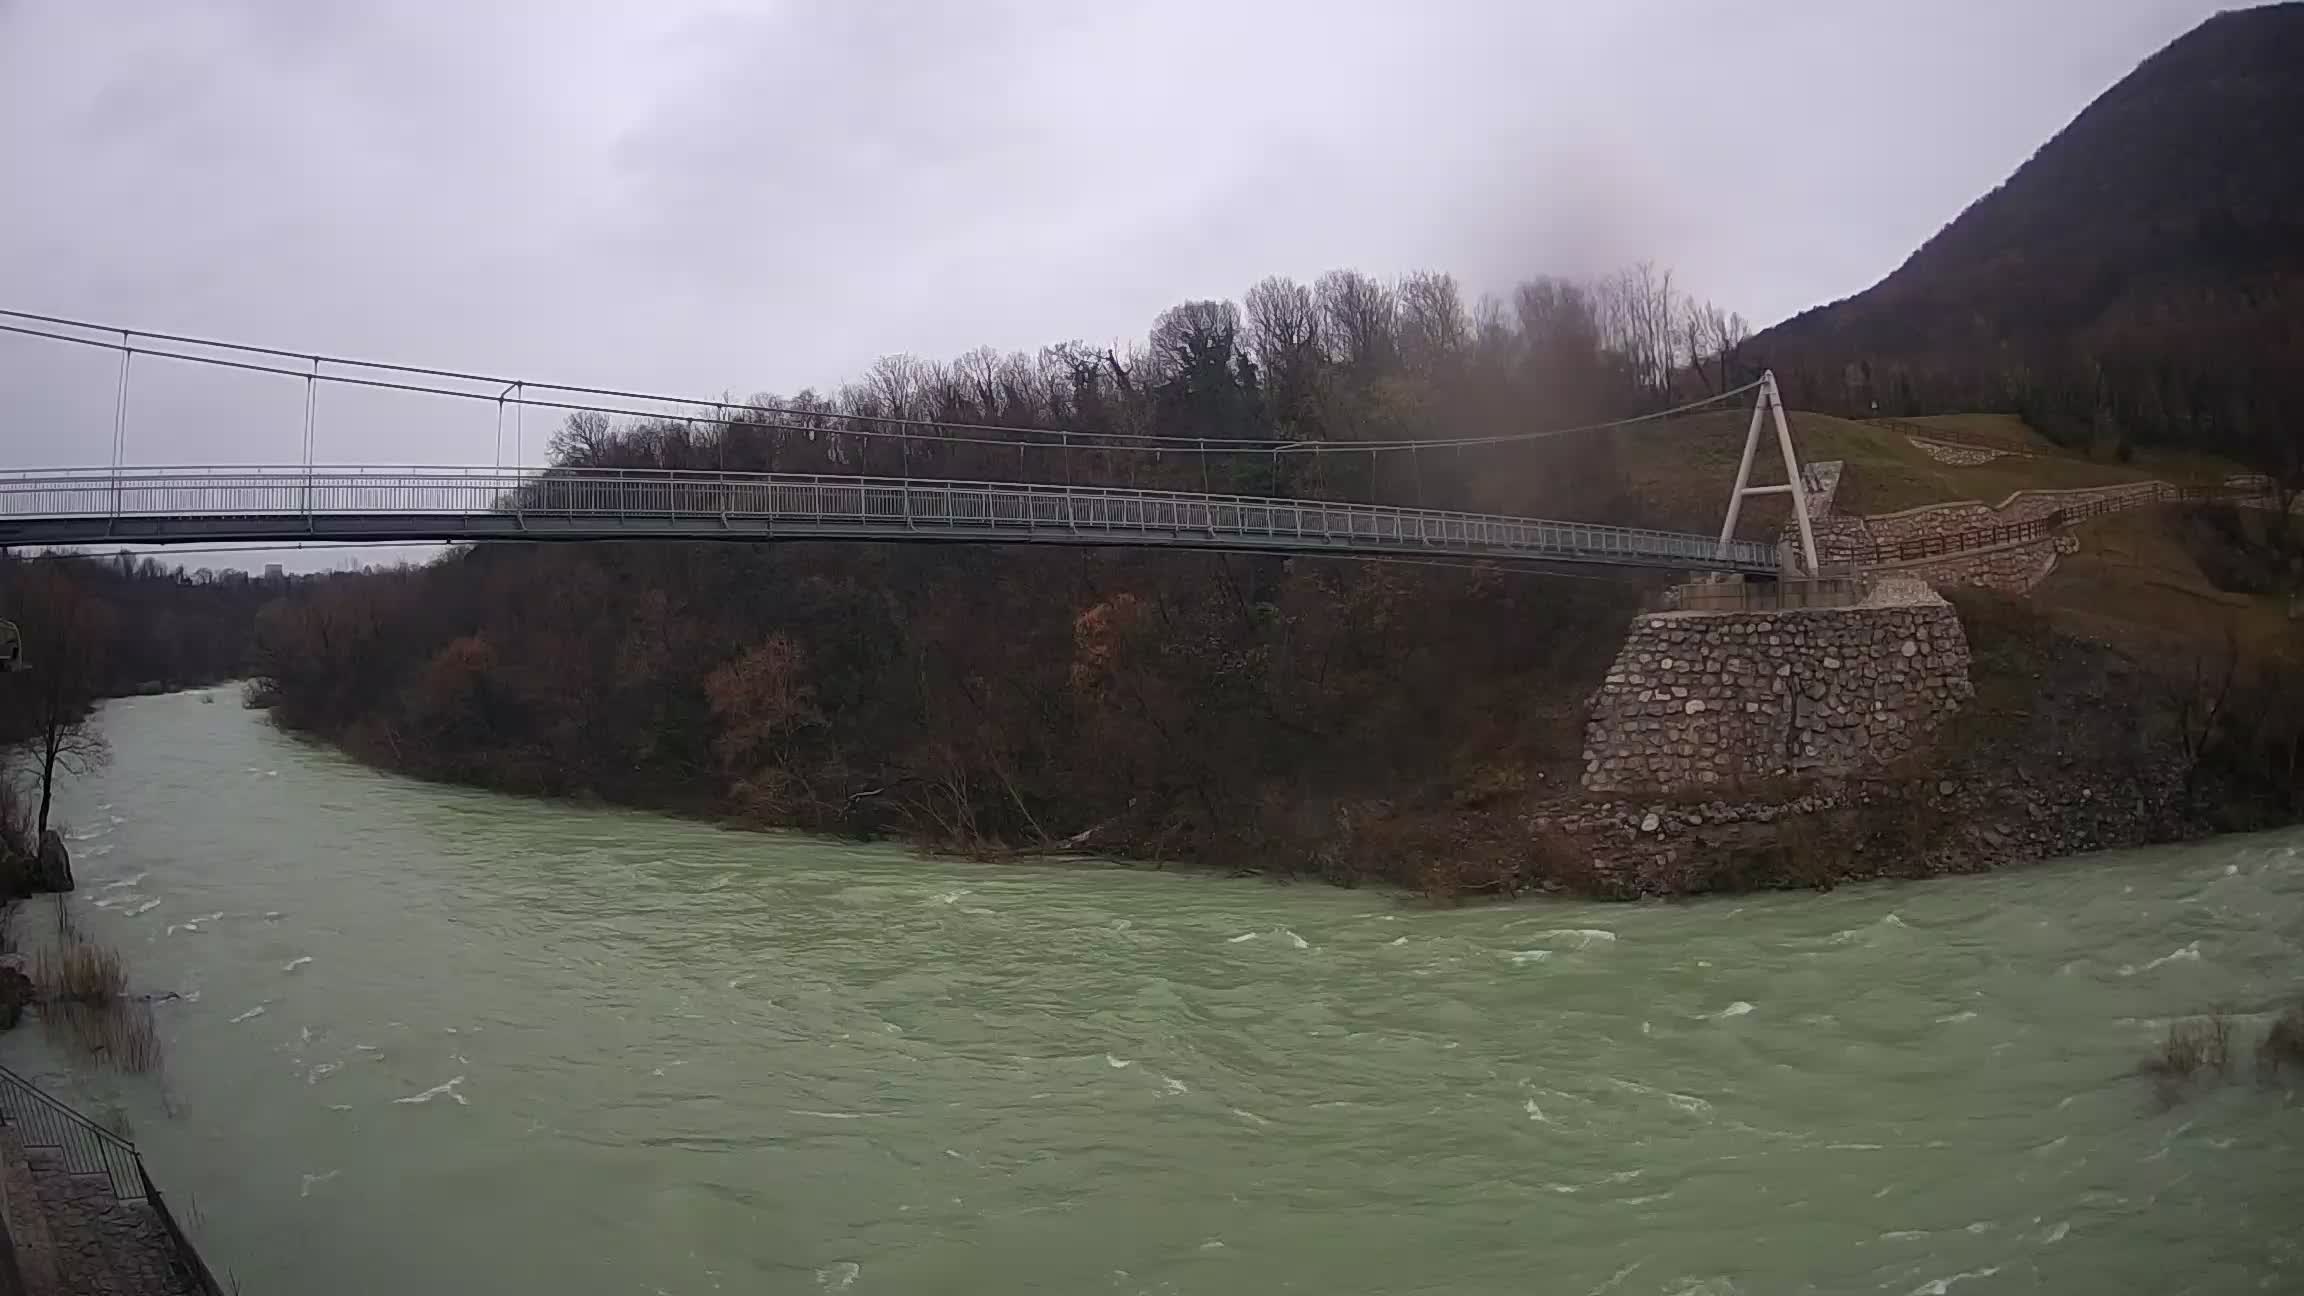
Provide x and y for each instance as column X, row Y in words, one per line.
column 2011, row 568
column 1740, row 595
column 1970, row 515
column 1959, row 456
column 1697, row 700
column 1835, row 531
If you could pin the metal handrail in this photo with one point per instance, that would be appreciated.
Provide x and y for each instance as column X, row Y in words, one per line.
column 861, row 503
column 40, row 1121
column 298, row 474
column 187, row 1255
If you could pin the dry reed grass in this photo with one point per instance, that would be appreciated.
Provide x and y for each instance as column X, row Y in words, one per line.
column 81, row 973
column 121, row 1035
column 82, row 990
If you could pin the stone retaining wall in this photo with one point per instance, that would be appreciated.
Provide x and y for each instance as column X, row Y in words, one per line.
column 1697, row 700
column 1834, row 530
column 1959, row 456
column 2011, row 568
column 1969, row 515
column 1740, row 595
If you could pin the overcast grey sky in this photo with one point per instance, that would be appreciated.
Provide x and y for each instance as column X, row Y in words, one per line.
column 738, row 197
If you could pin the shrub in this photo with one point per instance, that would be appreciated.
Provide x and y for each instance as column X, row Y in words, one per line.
column 2238, row 550
column 2282, row 1046
column 121, row 1034
column 82, row 991
column 2196, row 1047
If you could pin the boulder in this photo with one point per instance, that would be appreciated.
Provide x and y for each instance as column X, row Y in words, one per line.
column 19, row 875
column 52, row 871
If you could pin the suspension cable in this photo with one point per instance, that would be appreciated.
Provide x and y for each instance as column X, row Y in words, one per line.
column 818, row 422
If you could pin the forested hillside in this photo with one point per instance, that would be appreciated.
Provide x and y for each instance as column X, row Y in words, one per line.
column 2140, row 280
column 1308, row 714
column 114, row 626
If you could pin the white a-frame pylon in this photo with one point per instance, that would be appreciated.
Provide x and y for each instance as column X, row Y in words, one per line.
column 1771, row 404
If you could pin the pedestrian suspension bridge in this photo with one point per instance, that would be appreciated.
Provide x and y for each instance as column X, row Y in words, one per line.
column 127, row 503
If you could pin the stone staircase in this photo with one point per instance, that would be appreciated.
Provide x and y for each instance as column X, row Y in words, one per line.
column 98, row 1243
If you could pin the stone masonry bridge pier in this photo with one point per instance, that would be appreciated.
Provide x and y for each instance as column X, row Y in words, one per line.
column 1753, row 689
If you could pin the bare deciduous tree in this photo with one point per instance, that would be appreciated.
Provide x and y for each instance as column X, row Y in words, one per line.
column 1283, row 327
column 1639, row 320
column 2200, row 707
column 1712, row 339
column 67, row 632
column 583, row 440
column 1434, row 330
column 899, row 385
column 1492, row 334
column 1560, row 337
column 1198, row 338
column 1359, row 321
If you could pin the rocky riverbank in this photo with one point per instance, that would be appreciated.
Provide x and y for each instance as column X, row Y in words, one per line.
column 1849, row 831
column 2061, row 746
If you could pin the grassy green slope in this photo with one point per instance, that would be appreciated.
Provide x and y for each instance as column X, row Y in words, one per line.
column 2134, row 582
column 1680, row 470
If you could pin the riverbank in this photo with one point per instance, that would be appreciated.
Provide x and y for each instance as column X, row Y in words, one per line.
column 78, row 1211
column 2069, row 744
column 584, row 1050
column 2035, row 769
column 1351, row 722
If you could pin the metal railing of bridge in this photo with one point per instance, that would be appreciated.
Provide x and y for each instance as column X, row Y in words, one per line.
column 869, row 467
column 181, row 503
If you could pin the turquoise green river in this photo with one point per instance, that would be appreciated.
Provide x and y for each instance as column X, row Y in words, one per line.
column 436, row 1040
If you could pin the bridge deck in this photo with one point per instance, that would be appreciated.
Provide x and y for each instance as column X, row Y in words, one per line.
column 384, row 505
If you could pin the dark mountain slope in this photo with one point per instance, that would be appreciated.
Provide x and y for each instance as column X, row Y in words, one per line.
column 2138, row 279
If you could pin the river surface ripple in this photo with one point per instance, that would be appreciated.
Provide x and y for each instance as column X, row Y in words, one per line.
column 438, row 1040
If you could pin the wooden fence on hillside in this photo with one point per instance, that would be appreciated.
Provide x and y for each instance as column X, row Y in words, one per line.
column 1953, row 544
